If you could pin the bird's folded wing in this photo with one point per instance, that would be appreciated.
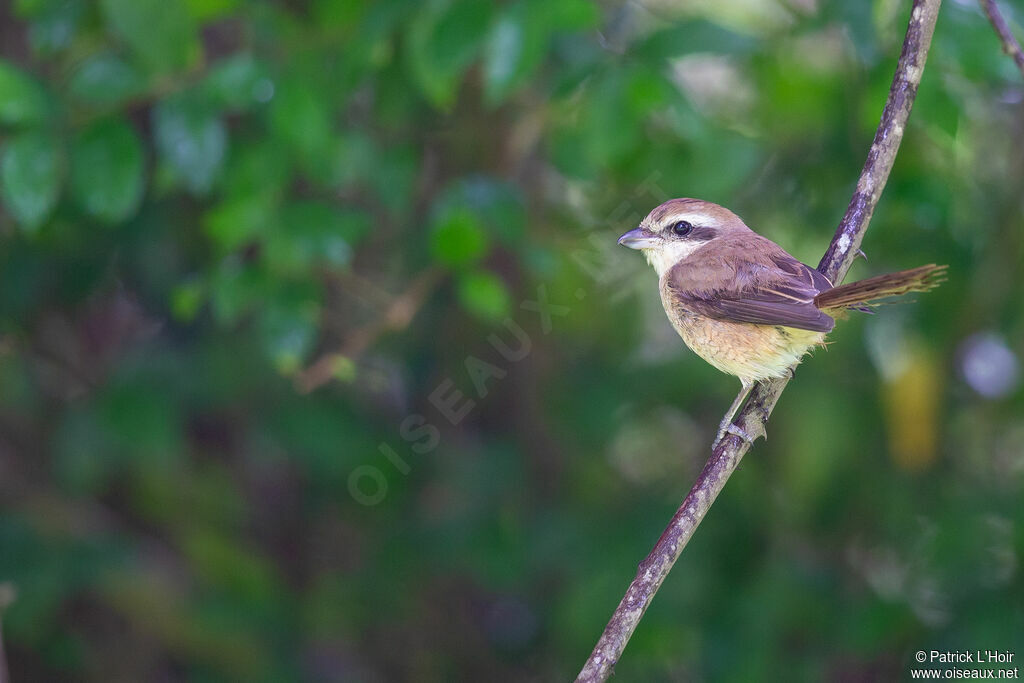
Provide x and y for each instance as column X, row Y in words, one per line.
column 771, row 289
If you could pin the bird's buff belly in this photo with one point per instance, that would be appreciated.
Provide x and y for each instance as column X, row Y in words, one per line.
column 750, row 352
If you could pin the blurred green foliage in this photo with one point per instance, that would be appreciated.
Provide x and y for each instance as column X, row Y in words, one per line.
column 209, row 207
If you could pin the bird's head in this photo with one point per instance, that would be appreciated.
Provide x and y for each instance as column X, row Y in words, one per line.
column 677, row 228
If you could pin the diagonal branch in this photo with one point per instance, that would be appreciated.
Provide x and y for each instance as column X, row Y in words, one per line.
column 728, row 453
column 1010, row 44
column 395, row 315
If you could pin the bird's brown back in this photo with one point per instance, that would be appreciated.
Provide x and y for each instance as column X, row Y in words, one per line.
column 746, row 278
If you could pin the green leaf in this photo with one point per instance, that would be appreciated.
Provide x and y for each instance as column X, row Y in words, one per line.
column 606, row 108
column 208, row 10
column 54, row 24
column 257, row 168
column 570, row 15
column 238, row 220
column 25, row 9
column 192, row 140
column 160, row 32
column 30, row 177
column 518, row 40
column 393, row 175
column 21, row 99
column 311, row 234
column 354, row 158
column 223, row 560
column 105, row 80
column 514, row 48
column 646, row 91
column 571, row 154
column 235, row 288
column 187, row 298
column 458, row 238
column 300, row 116
column 498, row 204
column 484, row 295
column 288, row 332
column 691, row 37
column 107, row 170
column 142, row 420
column 338, row 15
column 238, row 82
column 444, row 39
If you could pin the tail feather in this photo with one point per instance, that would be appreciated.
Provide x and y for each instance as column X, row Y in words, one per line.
column 864, row 292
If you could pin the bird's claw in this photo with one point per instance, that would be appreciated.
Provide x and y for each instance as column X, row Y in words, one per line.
column 733, row 429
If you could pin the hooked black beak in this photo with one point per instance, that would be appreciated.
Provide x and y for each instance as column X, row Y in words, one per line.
column 639, row 238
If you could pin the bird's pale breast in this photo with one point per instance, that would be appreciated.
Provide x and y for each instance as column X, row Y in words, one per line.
column 750, row 352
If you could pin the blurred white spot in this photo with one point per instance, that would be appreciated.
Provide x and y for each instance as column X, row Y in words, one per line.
column 887, row 346
column 906, row 574
column 1012, row 95
column 713, row 83
column 989, row 366
column 1008, row 453
column 654, row 445
column 263, row 90
column 1001, row 564
column 505, row 56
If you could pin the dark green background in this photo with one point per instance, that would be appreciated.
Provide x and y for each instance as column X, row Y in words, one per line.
column 200, row 198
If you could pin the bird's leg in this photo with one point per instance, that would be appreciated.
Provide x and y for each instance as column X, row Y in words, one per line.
column 727, row 427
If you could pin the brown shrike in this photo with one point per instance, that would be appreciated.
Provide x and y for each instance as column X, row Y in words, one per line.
column 739, row 301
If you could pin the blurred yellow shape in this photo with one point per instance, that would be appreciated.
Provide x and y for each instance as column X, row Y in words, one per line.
column 910, row 401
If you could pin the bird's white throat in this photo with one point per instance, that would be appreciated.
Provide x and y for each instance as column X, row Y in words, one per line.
column 669, row 253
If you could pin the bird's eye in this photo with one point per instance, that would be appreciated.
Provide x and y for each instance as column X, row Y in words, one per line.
column 682, row 229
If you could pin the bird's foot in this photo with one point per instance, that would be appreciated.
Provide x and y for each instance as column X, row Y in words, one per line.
column 733, row 429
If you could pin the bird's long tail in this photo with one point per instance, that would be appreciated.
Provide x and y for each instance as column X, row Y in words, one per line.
column 864, row 292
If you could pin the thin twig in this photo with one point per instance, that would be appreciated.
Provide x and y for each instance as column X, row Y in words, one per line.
column 1010, row 44
column 728, row 453
column 396, row 316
